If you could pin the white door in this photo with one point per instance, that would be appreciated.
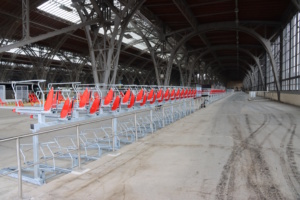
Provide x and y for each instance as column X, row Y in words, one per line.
column 22, row 92
column 2, row 92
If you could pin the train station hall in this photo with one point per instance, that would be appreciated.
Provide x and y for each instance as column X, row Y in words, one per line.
column 150, row 99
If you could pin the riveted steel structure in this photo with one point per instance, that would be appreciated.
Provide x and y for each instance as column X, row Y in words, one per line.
column 166, row 42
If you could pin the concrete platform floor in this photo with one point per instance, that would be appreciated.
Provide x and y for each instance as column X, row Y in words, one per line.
column 233, row 149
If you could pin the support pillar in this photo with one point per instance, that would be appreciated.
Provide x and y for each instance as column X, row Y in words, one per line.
column 151, row 120
column 114, row 124
column 35, row 149
column 25, row 19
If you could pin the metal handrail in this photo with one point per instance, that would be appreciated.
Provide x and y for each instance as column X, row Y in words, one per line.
column 91, row 121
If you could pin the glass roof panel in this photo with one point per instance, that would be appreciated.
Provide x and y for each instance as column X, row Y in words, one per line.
column 64, row 10
column 61, row 9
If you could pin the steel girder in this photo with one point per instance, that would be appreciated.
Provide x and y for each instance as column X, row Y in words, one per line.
column 25, row 19
column 47, row 35
column 226, row 26
column 221, row 47
column 192, row 69
column 217, row 70
column 105, row 52
column 130, row 9
column 10, row 31
column 243, row 70
column 145, row 79
column 152, row 52
column 131, row 74
column 4, row 75
column 16, row 18
column 275, row 24
column 251, row 74
column 296, row 3
column 37, row 62
column 248, row 82
column 49, row 57
column 229, row 58
column 188, row 14
column 133, row 59
column 25, row 16
column 185, row 60
column 41, row 62
column 90, row 45
column 75, row 69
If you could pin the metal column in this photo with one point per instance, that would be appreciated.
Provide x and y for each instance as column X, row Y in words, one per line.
column 25, row 19
column 35, row 148
column 19, row 168
column 114, row 126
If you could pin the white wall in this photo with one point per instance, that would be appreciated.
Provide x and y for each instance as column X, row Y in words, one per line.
column 293, row 99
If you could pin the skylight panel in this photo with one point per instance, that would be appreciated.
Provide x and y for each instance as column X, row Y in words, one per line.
column 135, row 36
column 64, row 10
column 61, row 9
column 141, row 46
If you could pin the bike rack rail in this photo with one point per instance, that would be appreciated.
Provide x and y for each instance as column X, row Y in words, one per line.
column 162, row 105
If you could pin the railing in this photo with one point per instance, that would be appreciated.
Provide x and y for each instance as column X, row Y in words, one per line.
column 138, row 122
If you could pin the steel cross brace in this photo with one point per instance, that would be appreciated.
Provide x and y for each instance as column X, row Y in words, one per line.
column 227, row 26
column 46, row 35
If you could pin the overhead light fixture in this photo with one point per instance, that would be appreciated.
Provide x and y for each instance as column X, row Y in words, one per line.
column 128, row 36
column 65, row 8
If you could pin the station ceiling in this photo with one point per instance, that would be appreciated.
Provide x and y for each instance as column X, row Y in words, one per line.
column 220, row 44
column 266, row 17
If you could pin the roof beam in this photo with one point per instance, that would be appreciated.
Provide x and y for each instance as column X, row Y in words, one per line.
column 37, row 3
column 213, row 14
column 268, row 23
column 37, row 24
column 25, row 19
column 168, row 14
column 158, row 5
column 242, row 48
column 208, row 3
column 232, row 27
column 296, row 3
column 47, row 35
column 187, row 12
column 233, row 58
